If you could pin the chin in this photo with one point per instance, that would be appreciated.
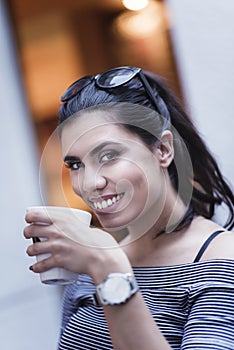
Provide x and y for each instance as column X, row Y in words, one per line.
column 112, row 225
column 118, row 220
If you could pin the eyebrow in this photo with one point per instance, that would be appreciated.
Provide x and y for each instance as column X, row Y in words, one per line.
column 70, row 159
column 93, row 152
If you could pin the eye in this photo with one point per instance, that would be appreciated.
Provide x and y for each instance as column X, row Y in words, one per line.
column 73, row 165
column 107, row 156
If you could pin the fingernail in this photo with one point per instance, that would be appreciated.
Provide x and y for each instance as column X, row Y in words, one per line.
column 31, row 267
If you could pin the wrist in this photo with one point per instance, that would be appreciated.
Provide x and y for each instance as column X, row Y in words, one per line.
column 109, row 261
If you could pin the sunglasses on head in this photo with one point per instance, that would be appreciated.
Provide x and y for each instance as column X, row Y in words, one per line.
column 114, row 78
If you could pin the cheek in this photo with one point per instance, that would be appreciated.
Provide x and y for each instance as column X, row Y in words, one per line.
column 148, row 184
column 145, row 175
column 74, row 179
column 132, row 179
column 127, row 174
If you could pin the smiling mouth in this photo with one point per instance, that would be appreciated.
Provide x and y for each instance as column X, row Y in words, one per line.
column 107, row 202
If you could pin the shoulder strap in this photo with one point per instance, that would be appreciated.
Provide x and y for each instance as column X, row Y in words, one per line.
column 205, row 245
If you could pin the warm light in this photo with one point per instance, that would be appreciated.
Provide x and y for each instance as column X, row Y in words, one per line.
column 135, row 5
column 139, row 24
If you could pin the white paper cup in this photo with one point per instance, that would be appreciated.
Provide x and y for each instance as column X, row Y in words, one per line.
column 58, row 275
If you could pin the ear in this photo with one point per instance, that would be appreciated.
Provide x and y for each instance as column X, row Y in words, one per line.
column 165, row 149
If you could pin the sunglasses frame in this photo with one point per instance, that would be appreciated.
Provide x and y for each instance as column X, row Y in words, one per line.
column 77, row 86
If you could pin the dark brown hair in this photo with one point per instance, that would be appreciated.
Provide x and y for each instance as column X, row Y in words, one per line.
column 209, row 188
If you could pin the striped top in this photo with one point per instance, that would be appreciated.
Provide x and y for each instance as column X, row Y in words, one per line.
column 193, row 305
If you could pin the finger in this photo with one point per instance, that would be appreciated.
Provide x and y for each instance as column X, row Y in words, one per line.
column 43, row 265
column 39, row 215
column 35, row 230
column 47, row 247
column 41, row 247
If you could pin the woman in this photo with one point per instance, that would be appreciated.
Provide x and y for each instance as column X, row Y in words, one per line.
column 137, row 160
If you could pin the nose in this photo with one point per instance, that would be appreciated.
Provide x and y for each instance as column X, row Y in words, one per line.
column 96, row 182
column 91, row 181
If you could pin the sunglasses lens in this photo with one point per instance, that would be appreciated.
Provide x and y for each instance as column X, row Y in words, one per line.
column 76, row 87
column 116, row 77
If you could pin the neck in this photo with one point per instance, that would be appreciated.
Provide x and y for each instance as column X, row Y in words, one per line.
column 150, row 225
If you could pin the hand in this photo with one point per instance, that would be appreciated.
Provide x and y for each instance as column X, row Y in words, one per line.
column 72, row 244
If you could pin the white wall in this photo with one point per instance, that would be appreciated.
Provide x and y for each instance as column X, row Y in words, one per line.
column 29, row 311
column 203, row 34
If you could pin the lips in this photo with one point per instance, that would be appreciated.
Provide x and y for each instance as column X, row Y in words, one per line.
column 107, row 202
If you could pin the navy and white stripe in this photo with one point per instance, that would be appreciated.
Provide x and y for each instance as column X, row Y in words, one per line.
column 193, row 305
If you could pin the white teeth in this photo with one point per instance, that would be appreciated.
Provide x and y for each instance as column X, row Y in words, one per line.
column 107, row 203
column 104, row 204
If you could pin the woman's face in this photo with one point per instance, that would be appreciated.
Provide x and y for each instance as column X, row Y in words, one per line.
column 113, row 171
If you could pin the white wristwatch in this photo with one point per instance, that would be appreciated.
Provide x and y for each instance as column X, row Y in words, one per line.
column 116, row 289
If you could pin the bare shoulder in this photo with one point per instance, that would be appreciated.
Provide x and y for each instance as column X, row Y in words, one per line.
column 221, row 247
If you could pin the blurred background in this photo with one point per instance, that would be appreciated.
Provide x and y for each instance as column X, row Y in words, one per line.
column 44, row 47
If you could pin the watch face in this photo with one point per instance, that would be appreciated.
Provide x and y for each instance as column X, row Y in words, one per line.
column 116, row 290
